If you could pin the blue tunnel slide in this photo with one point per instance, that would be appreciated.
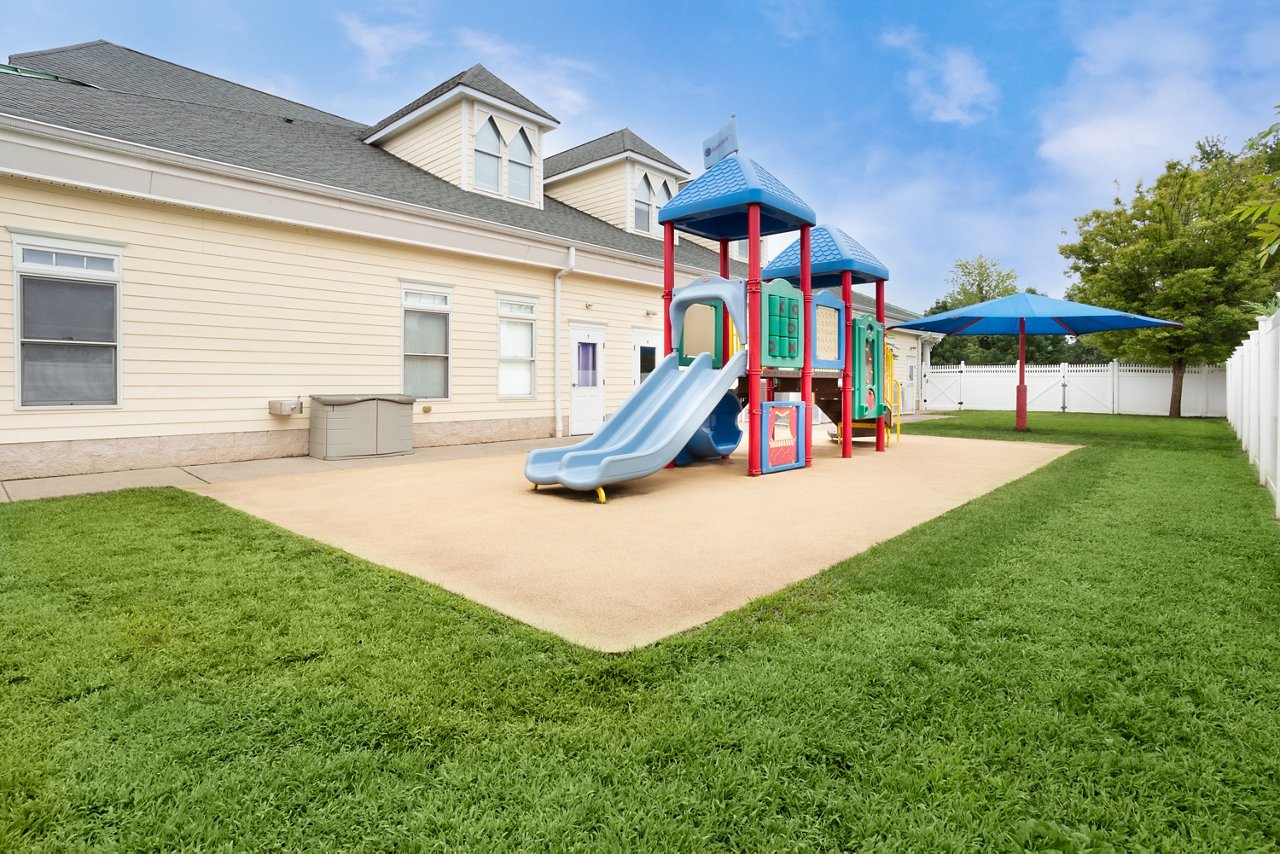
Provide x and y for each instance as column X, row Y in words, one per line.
column 661, row 417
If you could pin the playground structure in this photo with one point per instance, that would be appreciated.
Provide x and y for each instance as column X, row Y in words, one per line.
column 742, row 341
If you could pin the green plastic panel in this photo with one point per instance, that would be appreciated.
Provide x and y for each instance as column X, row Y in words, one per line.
column 781, row 328
column 868, row 368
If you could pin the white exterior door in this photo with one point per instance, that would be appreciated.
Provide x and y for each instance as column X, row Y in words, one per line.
column 586, row 374
column 907, row 373
column 644, row 356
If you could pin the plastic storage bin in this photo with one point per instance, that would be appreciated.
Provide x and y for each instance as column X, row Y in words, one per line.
column 361, row 425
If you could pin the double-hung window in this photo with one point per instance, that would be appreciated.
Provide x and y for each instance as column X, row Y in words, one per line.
column 426, row 342
column 520, row 167
column 503, row 166
column 664, row 196
column 68, row 321
column 651, row 197
column 517, row 343
column 644, row 202
column 488, row 159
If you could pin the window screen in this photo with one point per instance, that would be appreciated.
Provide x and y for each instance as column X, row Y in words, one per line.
column 68, row 334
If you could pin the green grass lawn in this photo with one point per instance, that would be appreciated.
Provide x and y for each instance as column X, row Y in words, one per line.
column 1088, row 657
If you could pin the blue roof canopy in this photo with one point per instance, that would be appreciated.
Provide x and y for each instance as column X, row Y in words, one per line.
column 1044, row 316
column 832, row 252
column 714, row 205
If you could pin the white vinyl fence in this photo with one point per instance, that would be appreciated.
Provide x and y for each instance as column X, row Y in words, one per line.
column 1114, row 389
column 1253, row 400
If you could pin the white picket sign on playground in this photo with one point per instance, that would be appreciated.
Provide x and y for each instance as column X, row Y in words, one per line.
column 1253, row 400
column 1113, row 389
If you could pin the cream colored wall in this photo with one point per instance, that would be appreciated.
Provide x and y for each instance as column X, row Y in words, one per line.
column 601, row 192
column 222, row 313
column 906, row 351
column 434, row 145
column 621, row 309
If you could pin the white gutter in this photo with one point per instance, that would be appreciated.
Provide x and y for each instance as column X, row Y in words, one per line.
column 559, row 403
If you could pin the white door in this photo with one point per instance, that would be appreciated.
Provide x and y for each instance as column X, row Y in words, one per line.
column 906, row 370
column 586, row 373
column 644, row 355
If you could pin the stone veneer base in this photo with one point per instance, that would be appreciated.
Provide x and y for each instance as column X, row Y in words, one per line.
column 92, row 456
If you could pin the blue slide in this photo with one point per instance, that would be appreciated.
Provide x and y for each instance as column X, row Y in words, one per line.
column 648, row 431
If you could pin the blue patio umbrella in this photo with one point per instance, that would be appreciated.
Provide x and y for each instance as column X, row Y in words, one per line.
column 1030, row 314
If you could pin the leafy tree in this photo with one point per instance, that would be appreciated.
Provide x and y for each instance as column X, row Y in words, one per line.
column 1176, row 251
column 1264, row 214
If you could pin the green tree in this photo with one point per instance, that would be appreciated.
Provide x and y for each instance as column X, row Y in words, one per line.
column 1264, row 213
column 1176, row 251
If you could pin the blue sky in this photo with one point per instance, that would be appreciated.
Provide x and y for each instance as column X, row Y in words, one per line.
column 929, row 131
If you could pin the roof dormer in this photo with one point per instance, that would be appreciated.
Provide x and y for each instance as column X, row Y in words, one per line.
column 474, row 131
column 618, row 178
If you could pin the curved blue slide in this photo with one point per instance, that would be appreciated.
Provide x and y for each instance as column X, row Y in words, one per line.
column 648, row 430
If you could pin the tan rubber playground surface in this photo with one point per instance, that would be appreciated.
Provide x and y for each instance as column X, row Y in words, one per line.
column 667, row 553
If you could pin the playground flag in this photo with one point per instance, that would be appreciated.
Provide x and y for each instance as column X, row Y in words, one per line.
column 721, row 144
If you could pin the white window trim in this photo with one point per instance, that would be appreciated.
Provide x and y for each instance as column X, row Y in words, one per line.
column 23, row 238
column 532, row 320
column 432, row 289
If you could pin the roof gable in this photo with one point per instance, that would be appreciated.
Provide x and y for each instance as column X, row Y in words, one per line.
column 477, row 78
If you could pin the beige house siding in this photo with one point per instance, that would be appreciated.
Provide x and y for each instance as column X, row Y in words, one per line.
column 601, row 192
column 434, row 144
column 220, row 314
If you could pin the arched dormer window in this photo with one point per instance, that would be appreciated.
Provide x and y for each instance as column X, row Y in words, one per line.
column 488, row 156
column 644, row 205
column 664, row 196
column 520, row 167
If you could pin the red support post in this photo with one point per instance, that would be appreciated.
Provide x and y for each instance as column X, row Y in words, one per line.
column 881, row 432
column 1020, row 420
column 753, row 334
column 846, row 381
column 668, row 282
column 726, row 322
column 806, row 370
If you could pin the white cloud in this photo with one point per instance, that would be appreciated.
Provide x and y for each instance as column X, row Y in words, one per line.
column 950, row 87
column 380, row 43
column 795, row 19
column 1141, row 91
column 553, row 82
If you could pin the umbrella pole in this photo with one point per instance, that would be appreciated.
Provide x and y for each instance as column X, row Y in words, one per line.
column 1020, row 421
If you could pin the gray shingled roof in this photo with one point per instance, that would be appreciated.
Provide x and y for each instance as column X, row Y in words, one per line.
column 477, row 77
column 327, row 151
column 609, row 145
column 122, row 69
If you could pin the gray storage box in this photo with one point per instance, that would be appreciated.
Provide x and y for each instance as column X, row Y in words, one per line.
column 361, row 425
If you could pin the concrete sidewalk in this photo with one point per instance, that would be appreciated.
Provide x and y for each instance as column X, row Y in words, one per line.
column 201, row 475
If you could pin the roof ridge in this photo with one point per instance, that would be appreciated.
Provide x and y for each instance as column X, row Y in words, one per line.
column 629, row 141
column 581, row 144
column 356, row 128
column 50, row 50
column 538, row 108
column 193, row 71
